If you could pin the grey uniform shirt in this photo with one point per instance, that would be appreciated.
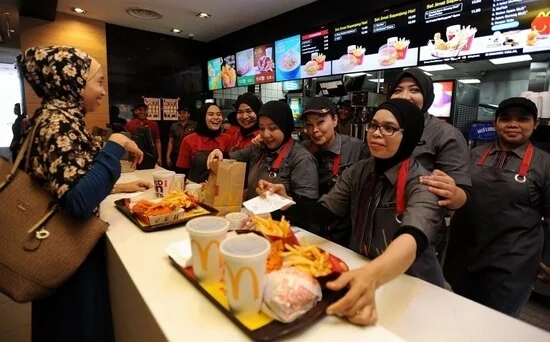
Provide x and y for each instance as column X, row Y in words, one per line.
column 422, row 211
column 297, row 172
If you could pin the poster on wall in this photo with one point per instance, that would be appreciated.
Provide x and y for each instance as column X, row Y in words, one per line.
column 475, row 29
column 229, row 75
column 264, row 64
column 153, row 106
column 245, row 68
column 214, row 74
column 387, row 40
column 315, row 47
column 288, row 59
column 170, row 109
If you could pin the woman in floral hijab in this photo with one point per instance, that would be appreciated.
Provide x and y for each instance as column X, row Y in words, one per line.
column 65, row 159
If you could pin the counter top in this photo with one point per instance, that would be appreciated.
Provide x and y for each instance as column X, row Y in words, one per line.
column 408, row 308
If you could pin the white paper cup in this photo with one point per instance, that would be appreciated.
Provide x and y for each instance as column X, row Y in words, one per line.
column 179, row 182
column 245, row 259
column 206, row 235
column 163, row 182
column 236, row 220
column 194, row 190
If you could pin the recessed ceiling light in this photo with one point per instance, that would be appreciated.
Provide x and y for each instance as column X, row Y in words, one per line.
column 79, row 10
column 438, row 67
column 512, row 59
column 203, row 15
column 470, row 80
column 175, row 30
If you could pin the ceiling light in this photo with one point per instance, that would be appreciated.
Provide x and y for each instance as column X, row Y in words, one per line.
column 512, row 59
column 357, row 74
column 79, row 10
column 439, row 67
column 203, row 15
column 381, row 80
column 470, row 80
column 175, row 30
column 12, row 31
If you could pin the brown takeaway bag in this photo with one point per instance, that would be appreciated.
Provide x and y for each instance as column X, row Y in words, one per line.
column 40, row 246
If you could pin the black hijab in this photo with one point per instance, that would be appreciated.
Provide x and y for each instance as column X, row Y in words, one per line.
column 423, row 81
column 255, row 104
column 411, row 120
column 202, row 127
column 281, row 114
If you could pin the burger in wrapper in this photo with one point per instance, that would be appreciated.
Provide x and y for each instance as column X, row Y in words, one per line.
column 289, row 294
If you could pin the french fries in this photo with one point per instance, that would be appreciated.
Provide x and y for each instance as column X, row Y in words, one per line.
column 172, row 201
column 272, row 228
column 308, row 259
column 275, row 258
column 177, row 199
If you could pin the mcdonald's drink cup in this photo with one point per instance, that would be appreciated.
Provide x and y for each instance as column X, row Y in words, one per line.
column 245, row 259
column 236, row 220
column 206, row 235
column 163, row 182
column 179, row 182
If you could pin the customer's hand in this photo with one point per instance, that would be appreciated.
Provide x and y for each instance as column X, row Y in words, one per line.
column 544, row 273
column 214, row 156
column 136, row 186
column 358, row 305
column 265, row 187
column 129, row 145
column 445, row 187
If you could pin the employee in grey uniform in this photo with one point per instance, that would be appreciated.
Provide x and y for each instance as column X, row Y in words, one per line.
column 496, row 239
column 394, row 217
column 279, row 158
column 334, row 154
column 443, row 149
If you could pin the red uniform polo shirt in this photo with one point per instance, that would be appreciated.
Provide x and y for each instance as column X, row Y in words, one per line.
column 232, row 130
column 132, row 125
column 195, row 142
column 238, row 141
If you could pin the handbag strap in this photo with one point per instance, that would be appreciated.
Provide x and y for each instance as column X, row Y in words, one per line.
column 25, row 149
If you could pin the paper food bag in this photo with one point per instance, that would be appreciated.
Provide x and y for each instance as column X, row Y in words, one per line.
column 224, row 189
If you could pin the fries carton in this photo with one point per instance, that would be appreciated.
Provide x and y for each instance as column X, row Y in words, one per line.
column 276, row 230
column 157, row 219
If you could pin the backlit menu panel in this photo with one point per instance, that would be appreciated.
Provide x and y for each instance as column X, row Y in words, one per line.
column 288, row 59
column 315, row 47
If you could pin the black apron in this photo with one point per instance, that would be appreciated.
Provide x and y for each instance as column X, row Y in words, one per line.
column 496, row 240
column 381, row 230
column 199, row 172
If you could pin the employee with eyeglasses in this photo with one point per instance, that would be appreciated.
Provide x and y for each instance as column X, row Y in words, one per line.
column 394, row 218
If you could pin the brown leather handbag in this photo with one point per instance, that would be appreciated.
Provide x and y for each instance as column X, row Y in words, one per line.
column 40, row 246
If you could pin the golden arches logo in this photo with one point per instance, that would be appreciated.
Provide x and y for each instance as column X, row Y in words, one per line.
column 204, row 253
column 178, row 184
column 236, row 281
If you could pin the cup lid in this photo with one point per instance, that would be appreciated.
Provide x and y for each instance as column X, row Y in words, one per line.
column 245, row 246
column 207, row 225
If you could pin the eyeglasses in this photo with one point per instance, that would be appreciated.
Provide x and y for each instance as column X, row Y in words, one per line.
column 385, row 130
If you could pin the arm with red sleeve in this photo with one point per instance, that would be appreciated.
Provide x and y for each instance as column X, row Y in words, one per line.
column 186, row 154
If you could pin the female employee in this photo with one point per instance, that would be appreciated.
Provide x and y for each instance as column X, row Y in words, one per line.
column 280, row 159
column 66, row 161
column 196, row 147
column 496, row 239
column 442, row 148
column 247, row 106
column 334, row 153
column 394, row 217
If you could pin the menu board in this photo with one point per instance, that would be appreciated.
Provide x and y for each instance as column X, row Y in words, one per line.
column 457, row 30
column 315, row 47
column 214, row 73
column 287, row 59
column 387, row 40
column 245, row 68
column 263, row 64
column 229, row 75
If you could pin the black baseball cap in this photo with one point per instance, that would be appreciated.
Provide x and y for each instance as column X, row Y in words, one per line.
column 140, row 105
column 319, row 106
column 526, row 104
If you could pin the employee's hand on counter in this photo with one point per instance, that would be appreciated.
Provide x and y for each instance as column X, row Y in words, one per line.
column 444, row 186
column 544, row 273
column 213, row 156
column 264, row 187
column 128, row 145
column 136, row 186
column 358, row 305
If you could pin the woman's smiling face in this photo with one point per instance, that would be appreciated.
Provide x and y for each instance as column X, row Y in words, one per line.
column 214, row 118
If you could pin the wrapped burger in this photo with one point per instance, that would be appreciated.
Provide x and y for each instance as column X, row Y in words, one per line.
column 290, row 293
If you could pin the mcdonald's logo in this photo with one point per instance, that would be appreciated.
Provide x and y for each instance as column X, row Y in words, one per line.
column 203, row 253
column 541, row 23
column 236, row 281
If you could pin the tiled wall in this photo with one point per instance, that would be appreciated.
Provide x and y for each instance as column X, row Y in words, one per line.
column 272, row 91
column 229, row 94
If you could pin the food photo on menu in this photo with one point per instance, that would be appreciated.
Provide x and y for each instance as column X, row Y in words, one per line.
column 245, row 68
column 214, row 67
column 264, row 65
column 385, row 41
column 288, row 59
column 229, row 74
column 479, row 29
column 315, row 47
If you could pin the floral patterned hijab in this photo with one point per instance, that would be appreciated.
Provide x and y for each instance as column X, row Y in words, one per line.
column 62, row 150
